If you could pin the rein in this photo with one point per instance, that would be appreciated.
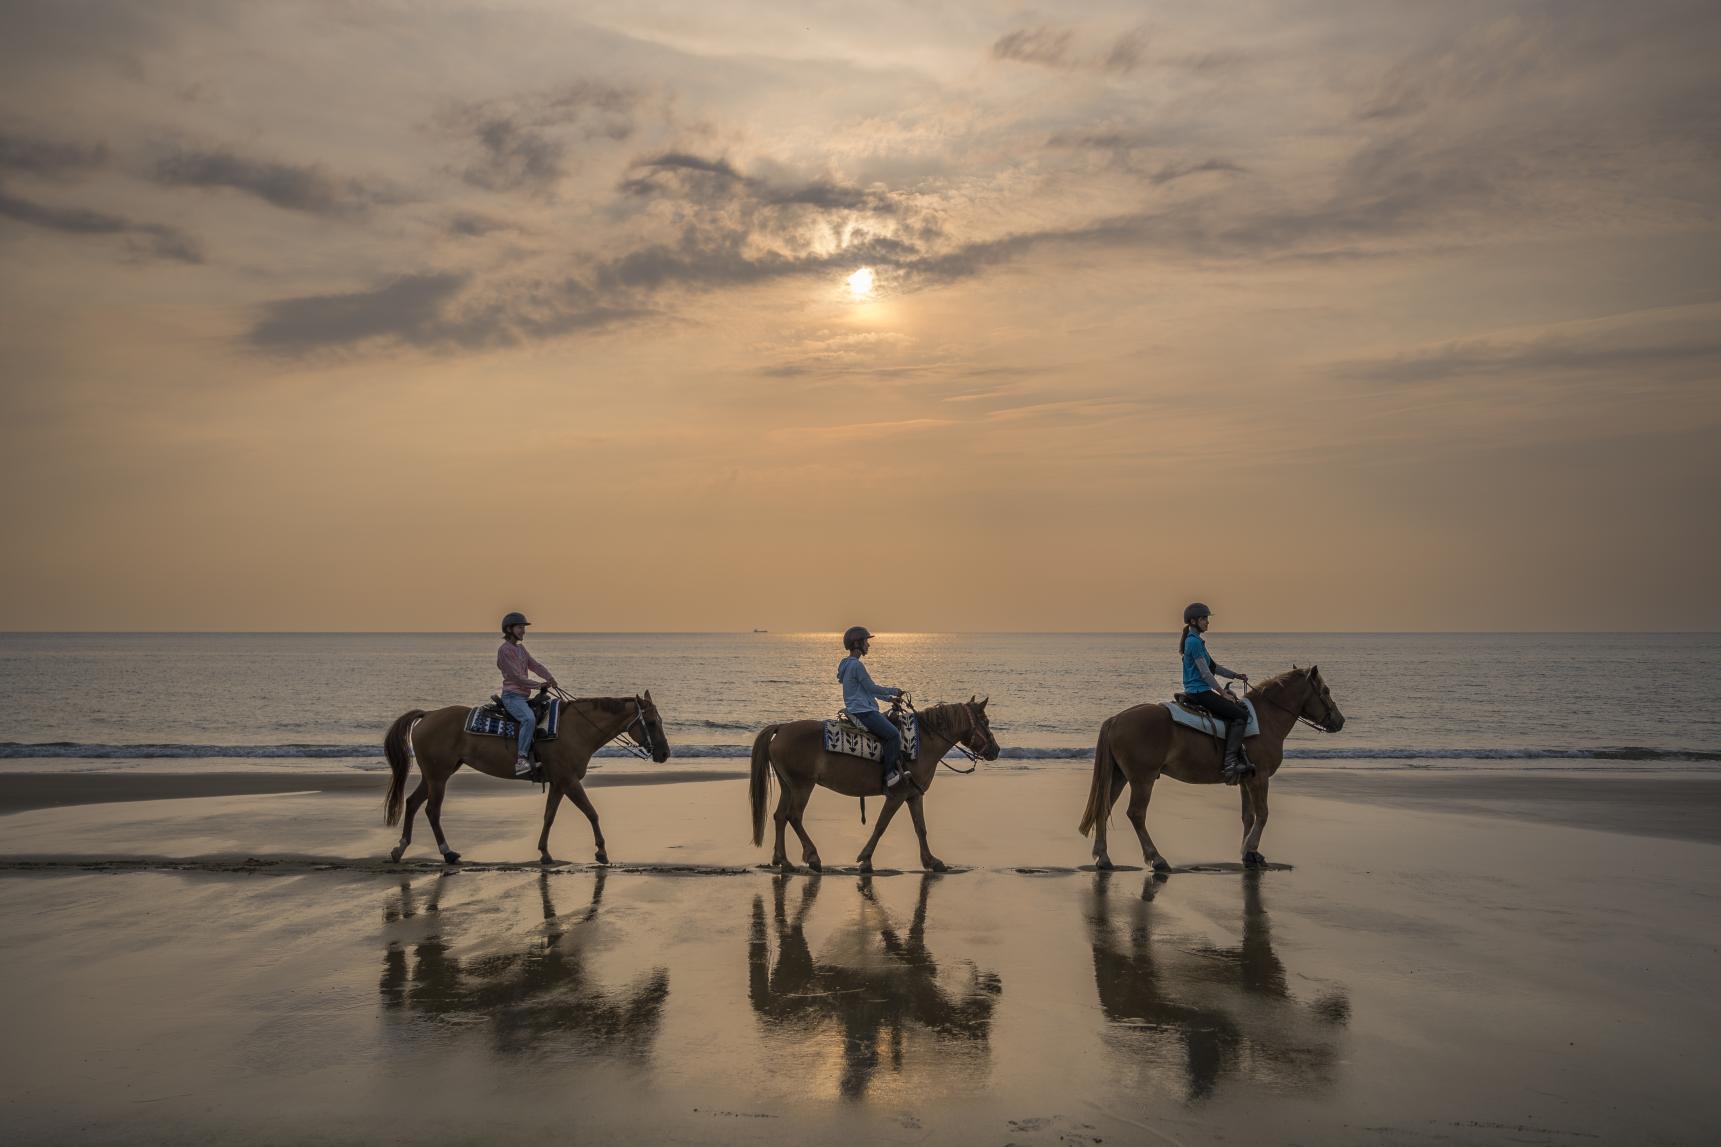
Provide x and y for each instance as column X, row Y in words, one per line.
column 973, row 757
column 631, row 744
column 1261, row 695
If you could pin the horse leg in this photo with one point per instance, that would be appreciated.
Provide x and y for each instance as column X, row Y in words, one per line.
column 891, row 804
column 798, row 805
column 1257, row 786
column 551, row 804
column 1248, row 814
column 577, row 794
column 917, row 810
column 412, row 805
column 1139, row 794
column 433, row 810
column 779, row 854
column 1115, row 783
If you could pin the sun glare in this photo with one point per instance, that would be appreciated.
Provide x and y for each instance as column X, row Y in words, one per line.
column 860, row 283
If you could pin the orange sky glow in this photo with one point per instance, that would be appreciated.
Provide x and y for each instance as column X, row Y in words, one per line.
column 1338, row 316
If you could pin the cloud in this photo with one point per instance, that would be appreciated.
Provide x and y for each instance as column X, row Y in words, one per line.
column 292, row 187
column 155, row 239
column 524, row 143
column 1677, row 342
column 1049, row 47
column 694, row 177
column 48, row 158
column 408, row 309
column 471, row 225
column 436, row 311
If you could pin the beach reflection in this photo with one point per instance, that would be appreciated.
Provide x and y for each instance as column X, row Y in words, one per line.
column 875, row 996
column 1206, row 1012
column 533, row 998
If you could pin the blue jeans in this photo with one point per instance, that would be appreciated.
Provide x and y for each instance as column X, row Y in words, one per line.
column 519, row 709
column 879, row 726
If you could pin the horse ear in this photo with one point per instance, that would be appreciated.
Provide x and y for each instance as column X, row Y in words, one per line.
column 1293, row 666
column 971, row 697
column 983, row 701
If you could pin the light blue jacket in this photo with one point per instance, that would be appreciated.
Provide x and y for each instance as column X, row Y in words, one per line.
column 859, row 693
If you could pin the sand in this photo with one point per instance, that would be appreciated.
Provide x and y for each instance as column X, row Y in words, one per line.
column 1434, row 966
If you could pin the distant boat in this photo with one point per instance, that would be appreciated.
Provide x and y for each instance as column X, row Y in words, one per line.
column 761, row 631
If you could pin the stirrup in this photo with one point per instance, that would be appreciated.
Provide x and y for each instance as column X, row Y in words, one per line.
column 1237, row 771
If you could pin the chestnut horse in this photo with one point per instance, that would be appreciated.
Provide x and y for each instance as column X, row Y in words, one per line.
column 442, row 744
column 795, row 752
column 1139, row 744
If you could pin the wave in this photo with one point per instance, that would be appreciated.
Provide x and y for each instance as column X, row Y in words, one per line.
column 72, row 750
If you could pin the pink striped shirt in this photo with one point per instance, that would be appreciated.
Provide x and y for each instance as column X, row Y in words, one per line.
column 515, row 663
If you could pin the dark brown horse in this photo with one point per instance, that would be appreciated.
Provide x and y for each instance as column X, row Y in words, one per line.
column 442, row 744
column 795, row 751
column 1139, row 744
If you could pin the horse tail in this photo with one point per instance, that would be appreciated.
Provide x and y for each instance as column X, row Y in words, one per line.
column 1099, row 795
column 399, row 755
column 759, row 783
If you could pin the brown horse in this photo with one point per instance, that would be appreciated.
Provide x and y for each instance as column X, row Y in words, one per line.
column 795, row 751
column 1139, row 744
column 442, row 744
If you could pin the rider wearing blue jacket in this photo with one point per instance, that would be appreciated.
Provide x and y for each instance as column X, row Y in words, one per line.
column 861, row 697
column 1202, row 688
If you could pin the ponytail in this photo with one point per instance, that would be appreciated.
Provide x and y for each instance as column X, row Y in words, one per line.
column 1181, row 638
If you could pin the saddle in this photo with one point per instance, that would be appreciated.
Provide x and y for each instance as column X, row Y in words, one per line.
column 843, row 736
column 1185, row 712
column 492, row 720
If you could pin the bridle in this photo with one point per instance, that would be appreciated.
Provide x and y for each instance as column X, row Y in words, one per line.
column 974, row 758
column 1259, row 694
column 635, row 746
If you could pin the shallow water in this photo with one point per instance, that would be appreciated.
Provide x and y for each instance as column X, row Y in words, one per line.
column 1411, row 700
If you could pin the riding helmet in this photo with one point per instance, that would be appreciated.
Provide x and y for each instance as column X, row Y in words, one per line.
column 513, row 619
column 854, row 635
column 1194, row 610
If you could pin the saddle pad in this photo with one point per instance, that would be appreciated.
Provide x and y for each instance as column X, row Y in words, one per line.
column 1204, row 722
column 854, row 741
column 483, row 721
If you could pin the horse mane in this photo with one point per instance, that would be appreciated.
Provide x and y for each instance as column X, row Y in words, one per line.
column 1294, row 671
column 937, row 716
column 606, row 704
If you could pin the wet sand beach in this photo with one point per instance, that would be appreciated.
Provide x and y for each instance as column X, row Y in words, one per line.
column 1452, row 960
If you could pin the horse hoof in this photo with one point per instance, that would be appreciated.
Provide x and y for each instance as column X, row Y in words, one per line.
column 938, row 866
column 451, row 858
column 1103, row 863
column 396, row 854
column 1254, row 860
column 815, row 865
column 546, row 858
column 865, row 868
column 603, row 857
column 1160, row 864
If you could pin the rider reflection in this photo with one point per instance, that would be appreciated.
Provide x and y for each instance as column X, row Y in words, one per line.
column 886, row 989
column 1163, row 994
column 538, row 998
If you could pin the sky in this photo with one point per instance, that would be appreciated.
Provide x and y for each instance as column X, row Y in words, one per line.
column 396, row 316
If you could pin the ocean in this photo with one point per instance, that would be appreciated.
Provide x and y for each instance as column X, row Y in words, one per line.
column 107, row 702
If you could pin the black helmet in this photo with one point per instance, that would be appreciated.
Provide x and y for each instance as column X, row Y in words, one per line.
column 512, row 620
column 854, row 635
column 1194, row 610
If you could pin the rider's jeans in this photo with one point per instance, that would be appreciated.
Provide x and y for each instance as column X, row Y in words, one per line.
column 521, row 710
column 879, row 726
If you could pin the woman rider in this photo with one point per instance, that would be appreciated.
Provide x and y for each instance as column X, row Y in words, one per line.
column 1202, row 689
column 860, row 700
column 517, row 665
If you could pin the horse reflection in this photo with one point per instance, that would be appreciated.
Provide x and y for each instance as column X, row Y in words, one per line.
column 883, row 994
column 1228, row 1010
column 542, row 996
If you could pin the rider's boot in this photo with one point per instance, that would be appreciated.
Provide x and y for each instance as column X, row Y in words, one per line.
column 523, row 767
column 1237, row 766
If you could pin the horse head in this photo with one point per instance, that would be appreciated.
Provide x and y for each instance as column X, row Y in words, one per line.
column 651, row 725
column 979, row 738
column 1318, row 706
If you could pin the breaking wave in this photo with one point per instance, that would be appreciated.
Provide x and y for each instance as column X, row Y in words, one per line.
column 70, row 750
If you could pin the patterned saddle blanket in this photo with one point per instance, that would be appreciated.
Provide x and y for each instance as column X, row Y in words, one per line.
column 493, row 721
column 846, row 737
column 1205, row 722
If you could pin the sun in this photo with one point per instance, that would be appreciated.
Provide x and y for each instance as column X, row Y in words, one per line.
column 860, row 283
